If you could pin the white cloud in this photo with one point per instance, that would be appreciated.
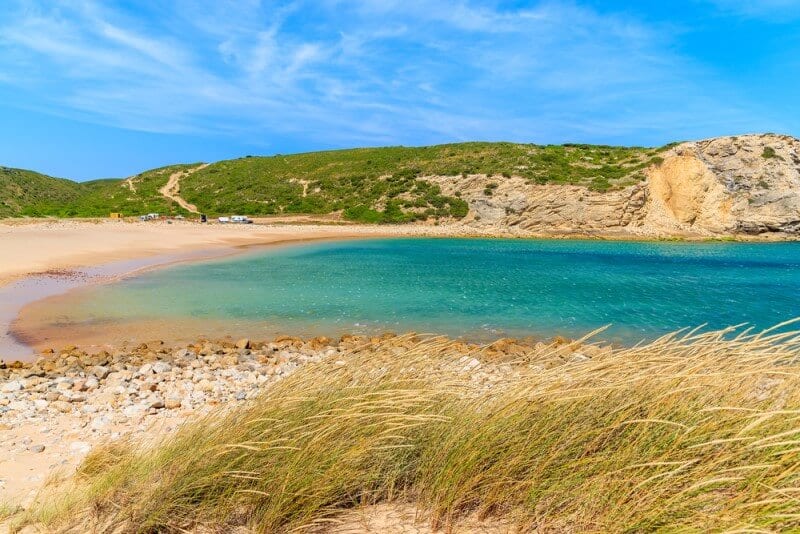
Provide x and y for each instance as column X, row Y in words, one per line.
column 347, row 73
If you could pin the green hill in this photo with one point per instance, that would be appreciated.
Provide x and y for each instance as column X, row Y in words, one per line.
column 20, row 189
column 133, row 196
column 368, row 184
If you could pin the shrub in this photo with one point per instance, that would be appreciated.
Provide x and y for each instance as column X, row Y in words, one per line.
column 336, row 180
column 363, row 214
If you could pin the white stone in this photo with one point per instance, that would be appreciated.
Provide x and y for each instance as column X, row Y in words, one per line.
column 79, row 447
column 161, row 367
column 14, row 385
column 99, row 423
column 133, row 410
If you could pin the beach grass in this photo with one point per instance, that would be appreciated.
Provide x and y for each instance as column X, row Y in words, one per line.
column 693, row 432
column 7, row 510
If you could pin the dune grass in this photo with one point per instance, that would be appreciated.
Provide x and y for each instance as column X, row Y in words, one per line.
column 7, row 510
column 693, row 432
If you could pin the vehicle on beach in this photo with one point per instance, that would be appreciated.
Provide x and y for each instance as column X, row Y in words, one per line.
column 235, row 219
column 149, row 217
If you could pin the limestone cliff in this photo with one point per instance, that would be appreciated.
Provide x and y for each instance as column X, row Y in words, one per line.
column 724, row 186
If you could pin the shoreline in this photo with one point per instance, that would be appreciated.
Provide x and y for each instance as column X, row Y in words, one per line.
column 207, row 237
column 39, row 287
column 183, row 242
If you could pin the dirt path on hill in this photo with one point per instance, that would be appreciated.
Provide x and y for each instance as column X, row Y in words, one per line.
column 173, row 188
column 129, row 183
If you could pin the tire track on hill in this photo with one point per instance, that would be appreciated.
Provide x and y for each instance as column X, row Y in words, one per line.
column 172, row 189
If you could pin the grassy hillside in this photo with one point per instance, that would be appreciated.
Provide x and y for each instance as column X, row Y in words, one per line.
column 20, row 189
column 368, row 185
column 372, row 184
column 691, row 434
column 98, row 198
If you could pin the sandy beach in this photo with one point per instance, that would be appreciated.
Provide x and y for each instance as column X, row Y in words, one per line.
column 45, row 259
column 42, row 259
column 42, row 246
column 37, row 246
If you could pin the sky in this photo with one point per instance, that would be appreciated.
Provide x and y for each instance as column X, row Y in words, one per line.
column 100, row 88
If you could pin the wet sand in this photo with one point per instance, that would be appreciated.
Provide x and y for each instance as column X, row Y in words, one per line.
column 49, row 259
column 30, row 248
column 41, row 287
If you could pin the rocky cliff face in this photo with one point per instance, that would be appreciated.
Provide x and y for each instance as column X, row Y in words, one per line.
column 724, row 186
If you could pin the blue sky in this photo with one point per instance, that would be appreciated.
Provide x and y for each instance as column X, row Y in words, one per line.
column 96, row 88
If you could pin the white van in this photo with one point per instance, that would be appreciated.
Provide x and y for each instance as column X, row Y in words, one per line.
column 224, row 220
column 240, row 219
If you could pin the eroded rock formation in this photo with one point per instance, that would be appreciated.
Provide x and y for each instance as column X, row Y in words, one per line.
column 723, row 186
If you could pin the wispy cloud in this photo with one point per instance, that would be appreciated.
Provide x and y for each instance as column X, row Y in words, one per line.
column 361, row 72
column 778, row 11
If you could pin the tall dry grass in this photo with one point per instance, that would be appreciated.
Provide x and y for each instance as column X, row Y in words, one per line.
column 695, row 432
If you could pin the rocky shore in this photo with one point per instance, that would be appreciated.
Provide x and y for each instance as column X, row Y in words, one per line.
column 55, row 409
column 52, row 411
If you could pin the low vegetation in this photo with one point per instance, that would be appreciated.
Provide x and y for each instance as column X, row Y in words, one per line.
column 8, row 510
column 388, row 184
column 374, row 185
column 20, row 189
column 693, row 432
column 769, row 153
column 98, row 198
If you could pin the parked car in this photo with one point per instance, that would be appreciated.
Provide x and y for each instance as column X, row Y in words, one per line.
column 240, row 219
column 224, row 220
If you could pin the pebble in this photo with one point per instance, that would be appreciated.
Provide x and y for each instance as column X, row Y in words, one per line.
column 80, row 447
column 100, row 422
column 112, row 394
column 14, row 385
column 149, row 377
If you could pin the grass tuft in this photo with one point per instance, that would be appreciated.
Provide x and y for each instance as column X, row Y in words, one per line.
column 694, row 431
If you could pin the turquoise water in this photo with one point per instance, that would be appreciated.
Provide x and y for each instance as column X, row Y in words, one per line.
column 472, row 287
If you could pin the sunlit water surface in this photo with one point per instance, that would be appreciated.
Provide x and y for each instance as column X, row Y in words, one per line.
column 473, row 288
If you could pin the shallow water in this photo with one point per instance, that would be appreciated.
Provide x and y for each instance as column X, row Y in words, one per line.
column 473, row 288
